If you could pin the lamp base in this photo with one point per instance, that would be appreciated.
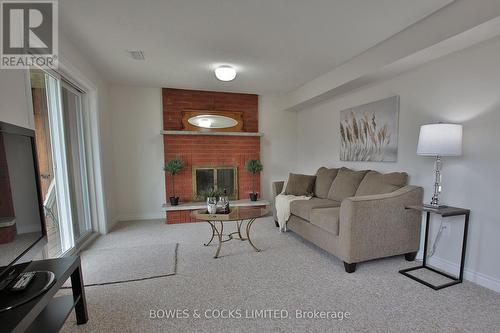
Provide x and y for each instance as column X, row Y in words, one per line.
column 437, row 183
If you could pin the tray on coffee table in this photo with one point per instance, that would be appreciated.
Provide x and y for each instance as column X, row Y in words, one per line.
column 205, row 215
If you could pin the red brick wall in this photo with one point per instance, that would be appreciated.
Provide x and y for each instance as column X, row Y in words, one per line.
column 180, row 216
column 177, row 100
column 208, row 150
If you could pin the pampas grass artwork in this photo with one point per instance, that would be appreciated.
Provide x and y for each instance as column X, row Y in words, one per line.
column 370, row 132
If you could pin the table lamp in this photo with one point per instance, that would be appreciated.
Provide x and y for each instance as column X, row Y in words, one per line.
column 439, row 140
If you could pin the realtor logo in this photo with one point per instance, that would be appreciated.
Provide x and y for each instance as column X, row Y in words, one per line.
column 29, row 34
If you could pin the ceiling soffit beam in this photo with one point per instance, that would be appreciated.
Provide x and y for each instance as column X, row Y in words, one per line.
column 461, row 24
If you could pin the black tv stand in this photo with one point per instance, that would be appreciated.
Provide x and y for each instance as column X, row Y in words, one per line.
column 40, row 283
column 47, row 313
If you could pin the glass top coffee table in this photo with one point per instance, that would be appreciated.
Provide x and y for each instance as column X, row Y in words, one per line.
column 240, row 215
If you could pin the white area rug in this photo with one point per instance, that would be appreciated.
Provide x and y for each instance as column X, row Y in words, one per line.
column 115, row 265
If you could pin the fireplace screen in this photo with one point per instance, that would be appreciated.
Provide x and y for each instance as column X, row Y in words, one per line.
column 217, row 178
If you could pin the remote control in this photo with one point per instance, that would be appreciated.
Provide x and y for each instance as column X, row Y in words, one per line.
column 22, row 281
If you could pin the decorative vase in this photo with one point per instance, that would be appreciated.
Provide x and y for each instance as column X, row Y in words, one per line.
column 223, row 203
column 174, row 201
column 254, row 196
column 212, row 205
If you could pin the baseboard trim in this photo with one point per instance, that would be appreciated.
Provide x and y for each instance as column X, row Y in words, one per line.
column 114, row 220
column 469, row 275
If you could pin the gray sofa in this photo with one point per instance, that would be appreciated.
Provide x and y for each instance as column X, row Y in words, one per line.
column 358, row 215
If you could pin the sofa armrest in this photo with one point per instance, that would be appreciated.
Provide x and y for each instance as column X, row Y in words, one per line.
column 376, row 226
column 277, row 188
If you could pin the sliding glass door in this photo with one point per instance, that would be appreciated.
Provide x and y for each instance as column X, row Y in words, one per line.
column 77, row 163
column 59, row 125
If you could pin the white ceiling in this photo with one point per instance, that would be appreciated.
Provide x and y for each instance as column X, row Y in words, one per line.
column 276, row 45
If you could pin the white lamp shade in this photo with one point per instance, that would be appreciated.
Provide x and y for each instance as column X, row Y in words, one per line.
column 440, row 140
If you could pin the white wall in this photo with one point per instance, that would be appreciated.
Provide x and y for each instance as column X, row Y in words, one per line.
column 13, row 99
column 278, row 145
column 463, row 88
column 139, row 181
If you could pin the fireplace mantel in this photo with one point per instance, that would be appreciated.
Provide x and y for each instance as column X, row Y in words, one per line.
column 169, row 132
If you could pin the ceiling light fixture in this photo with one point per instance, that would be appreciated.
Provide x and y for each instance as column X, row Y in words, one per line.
column 225, row 73
column 137, row 55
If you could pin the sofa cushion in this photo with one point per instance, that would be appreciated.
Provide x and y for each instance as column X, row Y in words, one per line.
column 324, row 180
column 299, row 184
column 345, row 184
column 302, row 208
column 326, row 218
column 378, row 183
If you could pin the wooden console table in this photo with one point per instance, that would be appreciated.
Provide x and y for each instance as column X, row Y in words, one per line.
column 47, row 313
column 445, row 211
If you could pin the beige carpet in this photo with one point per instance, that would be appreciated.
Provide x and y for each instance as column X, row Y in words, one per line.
column 289, row 274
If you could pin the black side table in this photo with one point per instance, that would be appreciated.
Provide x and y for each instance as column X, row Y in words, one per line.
column 444, row 211
column 47, row 313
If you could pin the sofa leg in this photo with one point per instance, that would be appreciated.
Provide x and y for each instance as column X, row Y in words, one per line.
column 410, row 256
column 349, row 268
column 276, row 223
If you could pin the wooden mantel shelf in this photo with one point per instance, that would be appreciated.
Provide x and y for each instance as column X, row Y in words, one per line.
column 212, row 133
column 199, row 205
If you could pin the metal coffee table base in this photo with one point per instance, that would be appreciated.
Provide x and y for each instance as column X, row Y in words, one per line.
column 238, row 235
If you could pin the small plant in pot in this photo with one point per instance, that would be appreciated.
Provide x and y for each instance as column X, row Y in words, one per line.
column 174, row 167
column 211, row 196
column 254, row 167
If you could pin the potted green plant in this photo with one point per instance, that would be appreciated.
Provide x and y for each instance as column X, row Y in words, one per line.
column 211, row 196
column 174, row 167
column 254, row 167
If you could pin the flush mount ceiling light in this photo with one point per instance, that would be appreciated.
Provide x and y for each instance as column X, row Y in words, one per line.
column 225, row 73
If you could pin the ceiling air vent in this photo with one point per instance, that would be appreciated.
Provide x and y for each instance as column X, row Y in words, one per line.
column 137, row 55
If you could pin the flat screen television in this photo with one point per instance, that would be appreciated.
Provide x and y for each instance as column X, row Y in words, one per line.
column 22, row 224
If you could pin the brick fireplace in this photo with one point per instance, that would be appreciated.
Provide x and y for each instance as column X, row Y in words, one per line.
column 208, row 150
